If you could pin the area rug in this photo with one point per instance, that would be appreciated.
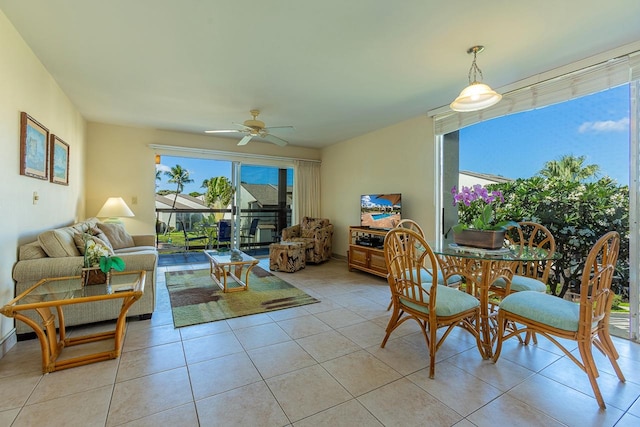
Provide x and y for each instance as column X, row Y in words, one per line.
column 195, row 298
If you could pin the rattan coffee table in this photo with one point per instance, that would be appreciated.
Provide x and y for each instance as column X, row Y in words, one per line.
column 59, row 292
column 222, row 267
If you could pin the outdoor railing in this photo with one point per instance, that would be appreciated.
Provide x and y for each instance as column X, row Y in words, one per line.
column 203, row 222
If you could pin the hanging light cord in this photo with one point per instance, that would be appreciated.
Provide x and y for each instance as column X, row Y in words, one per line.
column 475, row 70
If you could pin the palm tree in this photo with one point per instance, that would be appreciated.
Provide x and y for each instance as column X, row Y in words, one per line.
column 158, row 176
column 569, row 168
column 179, row 176
column 219, row 192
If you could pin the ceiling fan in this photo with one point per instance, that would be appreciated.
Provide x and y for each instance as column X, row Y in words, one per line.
column 255, row 127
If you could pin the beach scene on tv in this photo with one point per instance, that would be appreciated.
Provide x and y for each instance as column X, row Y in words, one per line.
column 380, row 210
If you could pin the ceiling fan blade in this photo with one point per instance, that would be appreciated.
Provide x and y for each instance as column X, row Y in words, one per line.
column 279, row 127
column 223, row 131
column 274, row 139
column 245, row 140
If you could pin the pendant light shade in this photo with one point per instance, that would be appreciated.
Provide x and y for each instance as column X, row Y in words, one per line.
column 477, row 95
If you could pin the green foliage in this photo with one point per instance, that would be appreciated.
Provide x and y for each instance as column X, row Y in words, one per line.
column 577, row 214
column 109, row 262
column 569, row 168
column 179, row 176
column 219, row 192
column 617, row 302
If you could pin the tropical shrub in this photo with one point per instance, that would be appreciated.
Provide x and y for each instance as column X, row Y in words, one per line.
column 577, row 214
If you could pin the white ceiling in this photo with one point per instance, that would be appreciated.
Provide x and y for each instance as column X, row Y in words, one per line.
column 334, row 69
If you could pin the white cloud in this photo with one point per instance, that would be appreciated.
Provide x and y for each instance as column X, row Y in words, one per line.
column 605, row 126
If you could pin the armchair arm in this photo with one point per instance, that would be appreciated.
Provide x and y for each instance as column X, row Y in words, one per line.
column 291, row 232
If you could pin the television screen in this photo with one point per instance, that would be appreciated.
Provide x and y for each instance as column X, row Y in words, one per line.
column 380, row 210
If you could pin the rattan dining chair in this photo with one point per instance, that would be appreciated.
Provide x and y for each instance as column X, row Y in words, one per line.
column 529, row 275
column 586, row 322
column 410, row 225
column 421, row 298
column 453, row 281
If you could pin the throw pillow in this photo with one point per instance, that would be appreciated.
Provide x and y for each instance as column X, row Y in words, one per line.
column 58, row 243
column 80, row 242
column 95, row 231
column 117, row 235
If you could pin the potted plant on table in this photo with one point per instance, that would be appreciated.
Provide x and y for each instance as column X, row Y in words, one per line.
column 98, row 263
column 476, row 210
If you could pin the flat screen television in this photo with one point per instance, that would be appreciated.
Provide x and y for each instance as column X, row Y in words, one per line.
column 382, row 211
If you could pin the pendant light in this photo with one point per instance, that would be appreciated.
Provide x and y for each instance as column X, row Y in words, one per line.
column 477, row 95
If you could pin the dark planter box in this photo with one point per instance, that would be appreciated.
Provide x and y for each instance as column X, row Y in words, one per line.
column 480, row 238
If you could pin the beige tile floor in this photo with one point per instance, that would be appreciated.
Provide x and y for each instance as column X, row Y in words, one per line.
column 315, row 365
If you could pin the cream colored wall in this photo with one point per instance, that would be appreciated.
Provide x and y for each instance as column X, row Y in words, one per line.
column 25, row 85
column 121, row 163
column 396, row 159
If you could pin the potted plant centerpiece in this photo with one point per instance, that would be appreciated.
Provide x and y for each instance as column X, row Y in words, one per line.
column 98, row 263
column 476, row 210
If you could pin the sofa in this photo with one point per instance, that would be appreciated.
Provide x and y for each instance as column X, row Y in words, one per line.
column 59, row 253
column 317, row 236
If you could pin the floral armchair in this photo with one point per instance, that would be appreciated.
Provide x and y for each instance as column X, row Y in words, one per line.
column 316, row 234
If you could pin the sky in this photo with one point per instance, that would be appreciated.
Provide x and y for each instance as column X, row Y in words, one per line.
column 595, row 126
column 201, row 169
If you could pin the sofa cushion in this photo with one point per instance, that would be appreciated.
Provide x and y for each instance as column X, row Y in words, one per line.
column 135, row 250
column 31, row 250
column 117, row 235
column 59, row 242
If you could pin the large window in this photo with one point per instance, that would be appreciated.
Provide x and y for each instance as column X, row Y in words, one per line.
column 595, row 129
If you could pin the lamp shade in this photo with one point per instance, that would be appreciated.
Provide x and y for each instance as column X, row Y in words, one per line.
column 114, row 207
column 475, row 97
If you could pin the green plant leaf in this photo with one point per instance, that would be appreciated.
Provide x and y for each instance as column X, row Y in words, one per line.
column 111, row 262
column 117, row 263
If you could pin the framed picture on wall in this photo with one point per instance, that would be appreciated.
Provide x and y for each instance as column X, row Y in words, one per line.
column 34, row 148
column 59, row 165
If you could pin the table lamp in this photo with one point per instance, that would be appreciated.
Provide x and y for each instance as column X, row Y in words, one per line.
column 113, row 209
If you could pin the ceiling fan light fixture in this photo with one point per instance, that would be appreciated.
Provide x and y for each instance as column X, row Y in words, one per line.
column 254, row 127
column 477, row 95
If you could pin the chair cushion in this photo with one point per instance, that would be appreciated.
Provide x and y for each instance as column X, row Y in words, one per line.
column 522, row 283
column 544, row 308
column 308, row 243
column 449, row 302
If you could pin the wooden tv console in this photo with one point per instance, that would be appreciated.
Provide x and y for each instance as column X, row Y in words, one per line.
column 365, row 250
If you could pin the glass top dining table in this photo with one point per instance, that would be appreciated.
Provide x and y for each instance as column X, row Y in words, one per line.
column 480, row 268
